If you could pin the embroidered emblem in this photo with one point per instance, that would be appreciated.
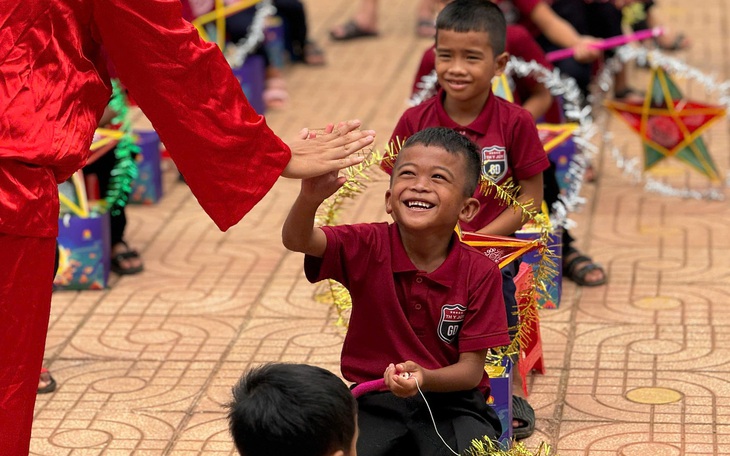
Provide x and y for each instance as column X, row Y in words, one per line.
column 494, row 162
column 452, row 316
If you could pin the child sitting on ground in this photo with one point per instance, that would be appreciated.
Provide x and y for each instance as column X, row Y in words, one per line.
column 470, row 44
column 292, row 409
column 423, row 303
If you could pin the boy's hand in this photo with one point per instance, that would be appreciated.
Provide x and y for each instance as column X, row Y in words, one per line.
column 585, row 50
column 313, row 155
column 404, row 379
column 318, row 189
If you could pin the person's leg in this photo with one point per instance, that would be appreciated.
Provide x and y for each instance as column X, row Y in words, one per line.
column 381, row 419
column 25, row 303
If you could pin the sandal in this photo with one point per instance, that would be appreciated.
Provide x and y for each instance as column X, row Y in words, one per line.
column 313, row 54
column 119, row 260
column 629, row 94
column 425, row 28
column 350, row 31
column 578, row 267
column 522, row 412
column 48, row 380
column 679, row 43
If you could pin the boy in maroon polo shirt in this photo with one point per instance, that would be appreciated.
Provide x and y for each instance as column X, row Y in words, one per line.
column 423, row 303
column 470, row 51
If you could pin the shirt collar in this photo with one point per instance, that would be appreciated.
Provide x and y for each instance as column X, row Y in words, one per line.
column 443, row 275
column 480, row 124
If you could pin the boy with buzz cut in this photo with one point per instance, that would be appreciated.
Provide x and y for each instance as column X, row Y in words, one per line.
column 470, row 43
column 292, row 409
column 423, row 303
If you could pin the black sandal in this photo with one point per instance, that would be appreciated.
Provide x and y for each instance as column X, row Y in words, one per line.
column 579, row 266
column 523, row 412
column 129, row 254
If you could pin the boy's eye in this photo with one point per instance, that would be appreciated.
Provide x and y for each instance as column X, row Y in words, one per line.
column 439, row 176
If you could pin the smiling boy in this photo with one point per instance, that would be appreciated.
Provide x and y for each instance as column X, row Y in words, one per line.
column 422, row 301
column 470, row 44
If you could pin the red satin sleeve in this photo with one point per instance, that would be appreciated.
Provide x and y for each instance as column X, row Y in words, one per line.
column 228, row 155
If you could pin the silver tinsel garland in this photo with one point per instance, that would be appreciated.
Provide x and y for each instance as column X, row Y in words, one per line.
column 631, row 167
column 237, row 53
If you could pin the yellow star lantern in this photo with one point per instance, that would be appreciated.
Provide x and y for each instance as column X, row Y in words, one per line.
column 670, row 125
column 501, row 249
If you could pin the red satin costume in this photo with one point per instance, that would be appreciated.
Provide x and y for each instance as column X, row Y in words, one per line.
column 53, row 89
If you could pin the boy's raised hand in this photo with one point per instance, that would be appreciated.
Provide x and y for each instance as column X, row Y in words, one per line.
column 403, row 379
column 320, row 188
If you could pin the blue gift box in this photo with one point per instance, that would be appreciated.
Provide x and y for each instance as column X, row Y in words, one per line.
column 562, row 155
column 251, row 77
column 555, row 284
column 147, row 187
column 500, row 399
column 85, row 252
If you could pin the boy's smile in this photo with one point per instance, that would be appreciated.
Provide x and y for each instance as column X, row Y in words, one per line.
column 427, row 193
column 465, row 66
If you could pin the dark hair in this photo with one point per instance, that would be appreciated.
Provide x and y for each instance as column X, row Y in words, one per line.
column 297, row 409
column 454, row 143
column 475, row 16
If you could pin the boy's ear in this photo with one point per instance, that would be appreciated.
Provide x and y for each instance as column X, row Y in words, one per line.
column 388, row 205
column 501, row 63
column 469, row 210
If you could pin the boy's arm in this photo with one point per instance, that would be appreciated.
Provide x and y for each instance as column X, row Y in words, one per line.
column 464, row 375
column 510, row 220
column 561, row 33
column 539, row 101
column 299, row 233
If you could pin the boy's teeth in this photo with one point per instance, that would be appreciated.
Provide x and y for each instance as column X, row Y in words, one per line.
column 422, row 204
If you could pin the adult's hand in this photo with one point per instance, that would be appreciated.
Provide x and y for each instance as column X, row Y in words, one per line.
column 313, row 155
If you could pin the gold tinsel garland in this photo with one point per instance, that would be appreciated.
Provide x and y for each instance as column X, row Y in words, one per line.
column 487, row 447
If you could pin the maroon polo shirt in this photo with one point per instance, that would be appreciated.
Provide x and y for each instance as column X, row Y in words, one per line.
column 400, row 313
column 519, row 11
column 506, row 135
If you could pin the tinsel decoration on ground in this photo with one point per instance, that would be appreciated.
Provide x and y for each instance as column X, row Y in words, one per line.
column 669, row 125
column 125, row 169
column 486, row 447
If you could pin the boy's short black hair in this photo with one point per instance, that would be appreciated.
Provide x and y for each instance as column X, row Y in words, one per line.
column 475, row 16
column 454, row 143
column 281, row 408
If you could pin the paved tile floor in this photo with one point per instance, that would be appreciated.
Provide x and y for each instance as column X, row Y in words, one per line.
column 637, row 367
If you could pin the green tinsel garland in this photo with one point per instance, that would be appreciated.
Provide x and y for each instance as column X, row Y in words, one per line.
column 125, row 168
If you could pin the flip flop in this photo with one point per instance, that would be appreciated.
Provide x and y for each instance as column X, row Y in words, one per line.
column 313, row 54
column 425, row 28
column 51, row 386
column 523, row 412
column 350, row 31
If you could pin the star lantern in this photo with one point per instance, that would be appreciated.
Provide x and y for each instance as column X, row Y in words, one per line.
column 501, row 249
column 670, row 125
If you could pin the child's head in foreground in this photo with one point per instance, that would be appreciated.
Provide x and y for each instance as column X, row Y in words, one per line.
column 470, row 46
column 434, row 177
column 292, row 409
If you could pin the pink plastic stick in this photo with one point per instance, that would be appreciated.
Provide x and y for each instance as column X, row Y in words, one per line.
column 368, row 387
column 608, row 43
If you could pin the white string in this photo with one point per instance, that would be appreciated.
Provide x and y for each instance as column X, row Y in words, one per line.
column 433, row 420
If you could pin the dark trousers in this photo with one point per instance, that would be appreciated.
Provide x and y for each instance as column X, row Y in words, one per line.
column 102, row 168
column 393, row 426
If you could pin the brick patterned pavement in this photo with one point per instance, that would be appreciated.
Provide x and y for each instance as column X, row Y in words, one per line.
column 637, row 367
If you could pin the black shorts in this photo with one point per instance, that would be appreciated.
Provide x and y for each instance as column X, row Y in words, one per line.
column 390, row 425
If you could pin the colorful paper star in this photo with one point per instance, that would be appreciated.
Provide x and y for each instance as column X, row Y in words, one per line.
column 670, row 125
column 553, row 135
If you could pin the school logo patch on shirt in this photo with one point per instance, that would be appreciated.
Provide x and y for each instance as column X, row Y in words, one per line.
column 452, row 316
column 494, row 162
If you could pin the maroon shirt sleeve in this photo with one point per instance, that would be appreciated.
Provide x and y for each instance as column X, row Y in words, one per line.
column 485, row 323
column 526, row 152
column 228, row 155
